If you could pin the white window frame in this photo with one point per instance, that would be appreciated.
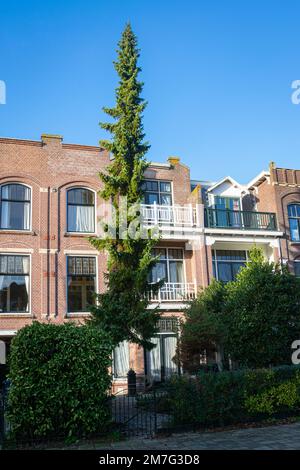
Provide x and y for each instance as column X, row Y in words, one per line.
column 95, row 211
column 80, row 255
column 21, row 314
column 12, row 230
column 215, row 261
column 173, row 259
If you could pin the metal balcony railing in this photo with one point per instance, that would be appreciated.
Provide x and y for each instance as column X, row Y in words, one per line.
column 242, row 220
column 174, row 291
column 182, row 216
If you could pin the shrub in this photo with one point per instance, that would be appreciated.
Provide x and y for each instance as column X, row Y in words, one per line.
column 235, row 397
column 59, row 381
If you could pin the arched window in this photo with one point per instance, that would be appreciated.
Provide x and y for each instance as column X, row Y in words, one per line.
column 15, row 207
column 81, row 210
column 294, row 221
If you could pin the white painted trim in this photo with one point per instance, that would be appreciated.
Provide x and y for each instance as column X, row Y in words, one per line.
column 81, row 252
column 8, row 332
column 159, row 165
column 212, row 240
column 261, row 176
column 227, row 178
column 52, row 251
column 24, row 251
column 245, row 233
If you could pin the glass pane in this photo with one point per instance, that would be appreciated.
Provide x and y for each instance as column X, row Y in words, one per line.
column 231, row 255
column 292, row 210
column 81, row 219
column 154, row 360
column 175, row 253
column 294, row 229
column 15, row 215
column 15, row 192
column 165, row 187
column 121, row 360
column 80, row 196
column 176, row 271
column 166, row 199
column 14, row 293
column 224, row 272
column 80, row 293
column 236, row 268
column 297, row 268
column 170, row 343
column 161, row 252
column 151, row 198
column 159, row 271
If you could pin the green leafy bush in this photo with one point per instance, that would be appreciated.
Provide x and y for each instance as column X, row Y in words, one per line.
column 218, row 399
column 59, row 381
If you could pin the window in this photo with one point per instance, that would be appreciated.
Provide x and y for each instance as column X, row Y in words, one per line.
column 81, row 210
column 297, row 268
column 230, row 203
column 294, row 221
column 121, row 360
column 159, row 192
column 160, row 364
column 227, row 213
column 169, row 266
column 227, row 263
column 14, row 284
column 15, row 207
column 81, row 283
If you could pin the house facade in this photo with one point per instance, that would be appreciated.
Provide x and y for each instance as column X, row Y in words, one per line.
column 49, row 271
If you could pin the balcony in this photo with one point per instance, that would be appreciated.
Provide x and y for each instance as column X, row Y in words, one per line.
column 240, row 220
column 174, row 292
column 175, row 216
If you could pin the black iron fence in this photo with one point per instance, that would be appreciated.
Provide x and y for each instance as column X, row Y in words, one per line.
column 133, row 415
column 142, row 415
column 242, row 220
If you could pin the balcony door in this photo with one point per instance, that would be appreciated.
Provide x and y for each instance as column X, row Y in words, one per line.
column 227, row 213
column 160, row 363
column 169, row 268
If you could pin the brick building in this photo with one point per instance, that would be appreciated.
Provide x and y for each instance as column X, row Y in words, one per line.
column 48, row 269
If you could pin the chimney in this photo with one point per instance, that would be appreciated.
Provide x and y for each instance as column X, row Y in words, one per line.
column 51, row 139
column 174, row 160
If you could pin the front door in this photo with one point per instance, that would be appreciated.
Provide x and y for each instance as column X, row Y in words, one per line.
column 160, row 360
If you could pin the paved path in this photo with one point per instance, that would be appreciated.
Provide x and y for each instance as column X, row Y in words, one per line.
column 273, row 437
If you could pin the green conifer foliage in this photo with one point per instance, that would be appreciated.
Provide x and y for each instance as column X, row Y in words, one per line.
column 122, row 309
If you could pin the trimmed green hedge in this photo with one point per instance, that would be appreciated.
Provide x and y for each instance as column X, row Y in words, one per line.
column 59, row 381
column 218, row 399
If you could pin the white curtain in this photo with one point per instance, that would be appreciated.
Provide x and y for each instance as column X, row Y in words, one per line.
column 154, row 360
column 26, row 216
column 176, row 271
column 5, row 214
column 170, row 343
column 121, row 359
column 81, row 219
column 25, row 261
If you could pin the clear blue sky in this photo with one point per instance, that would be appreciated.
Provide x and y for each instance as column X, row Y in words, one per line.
column 217, row 76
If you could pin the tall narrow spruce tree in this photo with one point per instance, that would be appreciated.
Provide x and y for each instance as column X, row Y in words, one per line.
column 122, row 310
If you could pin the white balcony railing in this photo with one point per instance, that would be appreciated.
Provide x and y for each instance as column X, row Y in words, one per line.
column 182, row 216
column 174, row 291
